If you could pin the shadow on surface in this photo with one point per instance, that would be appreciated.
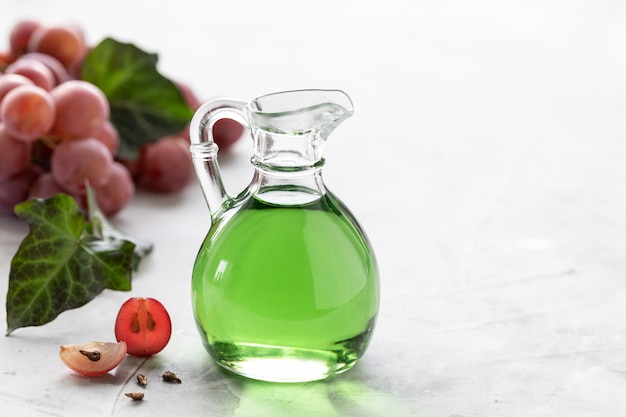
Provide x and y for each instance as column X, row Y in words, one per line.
column 343, row 395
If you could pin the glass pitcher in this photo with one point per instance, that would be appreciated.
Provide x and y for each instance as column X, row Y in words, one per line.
column 285, row 286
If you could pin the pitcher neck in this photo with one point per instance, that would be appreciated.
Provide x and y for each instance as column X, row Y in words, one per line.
column 287, row 151
column 287, row 187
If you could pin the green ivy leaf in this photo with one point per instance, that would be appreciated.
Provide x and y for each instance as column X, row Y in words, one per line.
column 145, row 105
column 60, row 265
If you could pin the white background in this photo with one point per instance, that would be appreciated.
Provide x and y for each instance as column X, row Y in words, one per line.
column 485, row 160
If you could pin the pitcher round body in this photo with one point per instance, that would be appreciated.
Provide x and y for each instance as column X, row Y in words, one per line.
column 285, row 286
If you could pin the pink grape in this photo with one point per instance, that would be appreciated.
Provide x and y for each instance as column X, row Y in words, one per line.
column 109, row 136
column 20, row 35
column 14, row 190
column 36, row 71
column 61, row 74
column 64, row 43
column 132, row 166
column 28, row 112
column 44, row 187
column 226, row 132
column 10, row 81
column 116, row 192
column 5, row 59
column 165, row 166
column 82, row 108
column 14, row 154
column 76, row 68
column 189, row 96
column 75, row 162
column 191, row 99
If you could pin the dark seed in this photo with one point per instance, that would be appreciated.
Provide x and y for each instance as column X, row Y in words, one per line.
column 136, row 396
column 134, row 324
column 93, row 356
column 169, row 376
column 142, row 379
column 151, row 322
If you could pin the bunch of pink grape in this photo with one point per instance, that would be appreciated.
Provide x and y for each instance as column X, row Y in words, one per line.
column 55, row 131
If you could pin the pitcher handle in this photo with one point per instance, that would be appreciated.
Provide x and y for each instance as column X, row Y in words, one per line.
column 204, row 149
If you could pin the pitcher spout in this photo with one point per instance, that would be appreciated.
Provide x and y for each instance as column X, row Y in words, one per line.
column 301, row 111
column 290, row 128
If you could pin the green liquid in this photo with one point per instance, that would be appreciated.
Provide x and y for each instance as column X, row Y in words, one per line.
column 286, row 294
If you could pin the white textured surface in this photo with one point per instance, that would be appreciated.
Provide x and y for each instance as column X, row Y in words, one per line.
column 485, row 160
